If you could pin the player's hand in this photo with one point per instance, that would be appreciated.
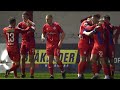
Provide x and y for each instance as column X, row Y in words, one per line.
column 42, row 38
column 32, row 29
column 20, row 29
column 97, row 26
column 79, row 36
column 30, row 23
column 60, row 44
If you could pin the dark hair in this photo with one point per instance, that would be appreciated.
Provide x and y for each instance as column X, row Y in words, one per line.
column 12, row 20
column 25, row 13
column 106, row 17
column 97, row 16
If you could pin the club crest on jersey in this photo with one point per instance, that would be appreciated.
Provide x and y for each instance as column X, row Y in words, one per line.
column 85, row 52
column 46, row 28
column 54, row 28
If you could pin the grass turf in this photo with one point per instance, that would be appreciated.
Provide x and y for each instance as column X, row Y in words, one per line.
column 56, row 76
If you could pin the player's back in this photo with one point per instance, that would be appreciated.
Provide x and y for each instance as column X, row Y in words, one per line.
column 12, row 36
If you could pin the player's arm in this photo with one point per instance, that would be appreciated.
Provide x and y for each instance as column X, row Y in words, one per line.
column 91, row 32
column 61, row 39
column 31, row 23
column 43, row 34
column 19, row 27
column 88, row 33
column 85, row 18
column 116, row 35
column 32, row 26
column 88, row 27
column 62, row 36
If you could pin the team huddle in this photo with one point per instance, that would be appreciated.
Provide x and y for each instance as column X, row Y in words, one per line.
column 95, row 41
column 97, row 46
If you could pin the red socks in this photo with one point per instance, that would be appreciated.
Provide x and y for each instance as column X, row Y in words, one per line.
column 50, row 68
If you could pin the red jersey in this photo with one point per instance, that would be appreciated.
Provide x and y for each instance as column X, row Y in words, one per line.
column 84, row 39
column 52, row 32
column 116, row 35
column 12, row 36
column 99, row 37
column 28, row 36
column 108, row 33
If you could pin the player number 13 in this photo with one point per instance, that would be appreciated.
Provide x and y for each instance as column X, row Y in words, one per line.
column 10, row 37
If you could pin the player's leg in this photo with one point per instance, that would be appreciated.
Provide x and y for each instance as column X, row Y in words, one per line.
column 15, row 71
column 88, row 63
column 99, row 65
column 32, row 62
column 17, row 59
column 105, row 68
column 112, row 64
column 103, row 63
column 94, row 66
column 107, row 58
column 94, row 58
column 82, row 64
column 50, row 56
column 16, row 64
column 107, row 61
column 23, row 59
column 59, row 62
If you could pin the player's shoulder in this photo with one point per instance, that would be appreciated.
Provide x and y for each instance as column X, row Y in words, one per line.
column 17, row 28
column 84, row 23
column 45, row 25
column 20, row 23
column 5, row 28
column 56, row 23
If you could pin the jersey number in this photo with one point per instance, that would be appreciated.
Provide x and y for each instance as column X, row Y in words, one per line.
column 10, row 37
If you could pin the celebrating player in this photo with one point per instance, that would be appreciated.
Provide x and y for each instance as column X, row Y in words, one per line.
column 55, row 36
column 83, row 45
column 98, row 50
column 12, row 36
column 110, row 47
column 27, row 44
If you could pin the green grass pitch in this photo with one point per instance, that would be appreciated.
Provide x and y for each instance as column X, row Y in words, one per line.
column 56, row 76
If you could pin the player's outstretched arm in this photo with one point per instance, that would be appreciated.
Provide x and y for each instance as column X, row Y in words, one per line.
column 88, row 33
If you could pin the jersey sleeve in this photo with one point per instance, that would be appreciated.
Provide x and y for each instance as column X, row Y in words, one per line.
column 87, row 26
column 3, row 30
column 60, row 30
column 44, row 30
column 19, row 25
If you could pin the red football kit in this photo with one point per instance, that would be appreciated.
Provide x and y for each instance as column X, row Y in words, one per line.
column 28, row 40
column 84, row 44
column 99, row 43
column 12, row 37
column 52, row 33
column 110, row 47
